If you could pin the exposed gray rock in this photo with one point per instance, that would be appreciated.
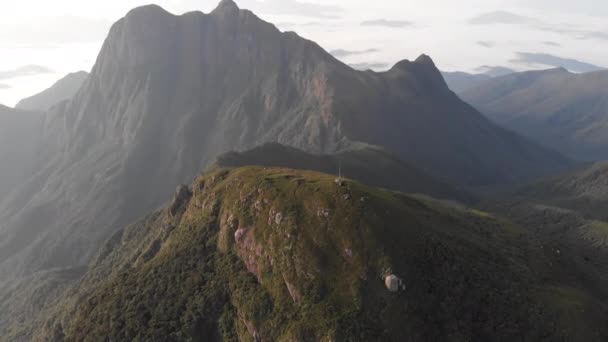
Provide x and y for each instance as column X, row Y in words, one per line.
column 394, row 283
column 181, row 197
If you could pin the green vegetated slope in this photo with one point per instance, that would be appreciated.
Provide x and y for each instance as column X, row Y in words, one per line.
column 254, row 254
column 368, row 164
column 567, row 221
column 584, row 190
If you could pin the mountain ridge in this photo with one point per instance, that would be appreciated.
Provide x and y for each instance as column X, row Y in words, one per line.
column 62, row 90
column 554, row 107
column 369, row 165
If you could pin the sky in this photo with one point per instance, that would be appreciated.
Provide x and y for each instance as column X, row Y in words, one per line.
column 41, row 41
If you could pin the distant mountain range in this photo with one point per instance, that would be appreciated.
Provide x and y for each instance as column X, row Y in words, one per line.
column 459, row 81
column 62, row 90
column 562, row 110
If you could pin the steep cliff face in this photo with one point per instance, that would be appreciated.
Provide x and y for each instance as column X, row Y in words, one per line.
column 170, row 93
column 254, row 254
column 19, row 146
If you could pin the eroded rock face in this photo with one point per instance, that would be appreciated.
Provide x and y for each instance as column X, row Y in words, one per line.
column 293, row 291
column 238, row 235
column 182, row 196
column 249, row 250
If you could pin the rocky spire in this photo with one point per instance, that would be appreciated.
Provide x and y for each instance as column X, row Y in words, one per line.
column 227, row 5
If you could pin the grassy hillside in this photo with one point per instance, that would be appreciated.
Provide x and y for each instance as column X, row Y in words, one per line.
column 255, row 254
column 584, row 190
column 567, row 221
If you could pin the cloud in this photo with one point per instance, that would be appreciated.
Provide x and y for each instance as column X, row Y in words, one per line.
column 585, row 7
column 369, row 66
column 486, row 44
column 593, row 35
column 550, row 43
column 4, row 86
column 27, row 70
column 49, row 31
column 494, row 71
column 544, row 59
column 340, row 53
column 508, row 18
column 388, row 23
column 502, row 17
column 292, row 7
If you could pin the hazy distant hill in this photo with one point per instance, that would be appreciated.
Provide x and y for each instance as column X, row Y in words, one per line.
column 459, row 81
column 562, row 110
column 62, row 90
column 367, row 164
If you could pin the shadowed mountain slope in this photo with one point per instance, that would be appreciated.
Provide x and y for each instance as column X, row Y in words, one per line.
column 62, row 90
column 584, row 191
column 568, row 222
column 368, row 164
column 562, row 110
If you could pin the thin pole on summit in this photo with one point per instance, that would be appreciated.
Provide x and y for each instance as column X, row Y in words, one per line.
column 339, row 179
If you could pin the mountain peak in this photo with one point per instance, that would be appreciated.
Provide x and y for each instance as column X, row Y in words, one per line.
column 561, row 70
column 147, row 10
column 424, row 59
column 424, row 70
column 227, row 5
